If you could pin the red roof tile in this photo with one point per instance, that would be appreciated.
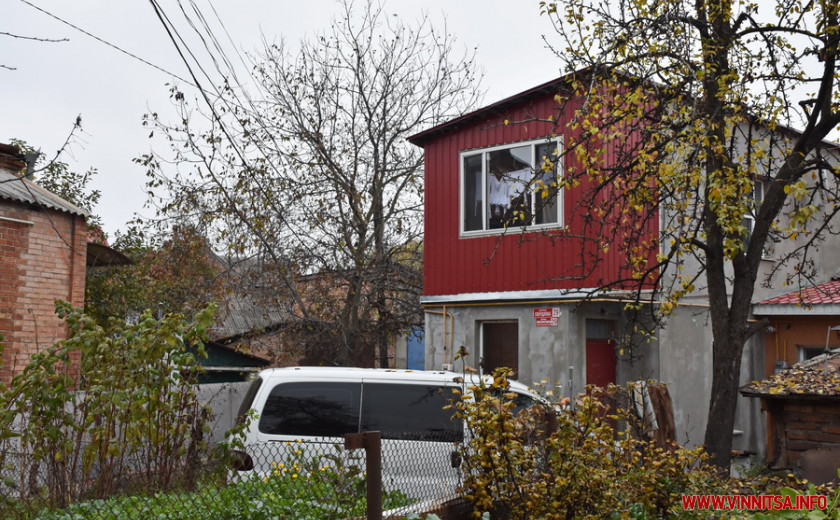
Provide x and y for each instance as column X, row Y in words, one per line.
column 826, row 293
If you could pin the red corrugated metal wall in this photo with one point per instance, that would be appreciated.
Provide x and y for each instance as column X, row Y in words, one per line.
column 516, row 262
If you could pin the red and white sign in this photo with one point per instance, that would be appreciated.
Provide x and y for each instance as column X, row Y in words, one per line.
column 546, row 322
column 546, row 316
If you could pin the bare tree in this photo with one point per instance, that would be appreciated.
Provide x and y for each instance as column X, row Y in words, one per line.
column 313, row 179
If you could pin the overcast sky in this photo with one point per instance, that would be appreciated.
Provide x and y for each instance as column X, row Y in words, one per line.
column 46, row 85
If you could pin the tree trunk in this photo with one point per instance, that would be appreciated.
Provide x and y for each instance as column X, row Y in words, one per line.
column 380, row 264
column 726, row 370
column 384, row 362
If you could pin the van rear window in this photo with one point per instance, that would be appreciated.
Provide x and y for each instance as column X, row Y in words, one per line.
column 248, row 400
column 312, row 409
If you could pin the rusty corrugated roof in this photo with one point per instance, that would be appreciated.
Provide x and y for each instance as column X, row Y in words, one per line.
column 11, row 158
column 243, row 313
column 15, row 188
column 102, row 255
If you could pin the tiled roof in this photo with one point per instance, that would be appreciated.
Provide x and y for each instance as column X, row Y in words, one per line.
column 818, row 377
column 16, row 188
column 824, row 294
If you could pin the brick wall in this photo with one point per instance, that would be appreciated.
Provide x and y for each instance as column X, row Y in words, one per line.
column 42, row 259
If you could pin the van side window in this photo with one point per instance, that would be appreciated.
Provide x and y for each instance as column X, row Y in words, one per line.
column 409, row 411
column 321, row 409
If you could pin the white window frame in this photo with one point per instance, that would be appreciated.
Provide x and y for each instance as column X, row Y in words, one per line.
column 534, row 143
column 759, row 189
column 802, row 352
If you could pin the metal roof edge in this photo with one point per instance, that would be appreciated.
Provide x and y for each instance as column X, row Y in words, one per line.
column 19, row 189
column 421, row 137
column 792, row 309
column 523, row 296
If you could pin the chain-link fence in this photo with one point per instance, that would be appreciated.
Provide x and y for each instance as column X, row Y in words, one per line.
column 320, row 479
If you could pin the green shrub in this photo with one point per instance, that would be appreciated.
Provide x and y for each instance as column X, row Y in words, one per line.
column 106, row 411
column 302, row 488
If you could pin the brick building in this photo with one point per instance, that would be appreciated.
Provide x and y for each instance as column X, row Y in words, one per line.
column 43, row 252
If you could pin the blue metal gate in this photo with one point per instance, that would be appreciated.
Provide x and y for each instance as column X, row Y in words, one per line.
column 416, row 349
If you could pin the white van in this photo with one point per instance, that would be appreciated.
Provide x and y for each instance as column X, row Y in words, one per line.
column 312, row 408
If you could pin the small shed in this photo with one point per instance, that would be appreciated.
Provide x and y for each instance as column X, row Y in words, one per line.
column 803, row 407
column 225, row 364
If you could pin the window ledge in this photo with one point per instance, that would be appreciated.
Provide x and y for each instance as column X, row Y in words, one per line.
column 511, row 231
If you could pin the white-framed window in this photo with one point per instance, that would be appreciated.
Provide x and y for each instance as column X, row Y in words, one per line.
column 806, row 352
column 511, row 186
column 749, row 219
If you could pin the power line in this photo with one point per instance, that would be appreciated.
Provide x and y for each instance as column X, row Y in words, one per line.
column 173, row 32
column 109, row 44
column 240, row 153
column 33, row 38
column 176, row 37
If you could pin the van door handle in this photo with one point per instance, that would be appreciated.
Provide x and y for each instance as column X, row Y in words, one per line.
column 455, row 459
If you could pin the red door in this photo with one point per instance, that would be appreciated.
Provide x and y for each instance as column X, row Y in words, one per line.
column 600, row 362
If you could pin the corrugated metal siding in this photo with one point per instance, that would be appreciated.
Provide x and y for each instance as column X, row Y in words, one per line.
column 455, row 265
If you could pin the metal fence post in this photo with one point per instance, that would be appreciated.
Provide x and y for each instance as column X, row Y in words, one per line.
column 371, row 442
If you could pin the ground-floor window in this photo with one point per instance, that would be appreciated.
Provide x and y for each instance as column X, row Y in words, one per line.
column 499, row 346
column 806, row 352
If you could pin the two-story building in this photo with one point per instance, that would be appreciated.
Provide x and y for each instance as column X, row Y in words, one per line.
column 513, row 299
column 509, row 272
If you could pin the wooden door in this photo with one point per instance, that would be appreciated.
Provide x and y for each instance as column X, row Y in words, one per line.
column 500, row 346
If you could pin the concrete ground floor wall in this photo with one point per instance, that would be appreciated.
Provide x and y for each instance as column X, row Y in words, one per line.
column 686, row 366
column 547, row 351
column 555, row 352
